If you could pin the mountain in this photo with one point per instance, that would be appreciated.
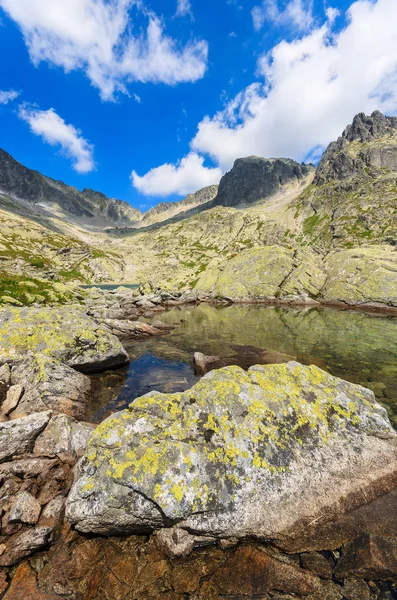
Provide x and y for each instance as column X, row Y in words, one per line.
column 166, row 210
column 348, row 203
column 54, row 197
column 254, row 178
column 353, row 198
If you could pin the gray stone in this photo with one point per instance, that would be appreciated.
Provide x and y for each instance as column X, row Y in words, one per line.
column 24, row 509
column 51, row 385
column 23, row 544
column 178, row 543
column 27, row 467
column 53, row 512
column 64, row 437
column 18, row 437
column 237, row 455
column 13, row 397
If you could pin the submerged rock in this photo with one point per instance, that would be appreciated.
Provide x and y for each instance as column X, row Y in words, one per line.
column 261, row 453
column 62, row 333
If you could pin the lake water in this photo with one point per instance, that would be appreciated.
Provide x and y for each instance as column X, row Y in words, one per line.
column 111, row 286
column 359, row 347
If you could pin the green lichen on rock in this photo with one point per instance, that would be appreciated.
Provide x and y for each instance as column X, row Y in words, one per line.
column 63, row 333
column 235, row 439
column 362, row 276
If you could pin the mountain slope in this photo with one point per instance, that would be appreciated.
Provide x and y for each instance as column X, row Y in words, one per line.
column 353, row 198
column 48, row 196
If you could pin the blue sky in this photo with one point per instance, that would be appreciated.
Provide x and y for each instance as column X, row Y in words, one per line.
column 147, row 100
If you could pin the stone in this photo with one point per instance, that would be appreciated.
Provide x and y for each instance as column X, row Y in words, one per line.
column 64, row 437
column 131, row 329
column 23, row 544
column 354, row 589
column 24, row 586
column 162, row 326
column 24, row 509
column 18, row 436
column 237, row 455
column 13, row 397
column 64, row 333
column 53, row 512
column 178, row 543
column 369, row 557
column 51, row 385
column 203, row 363
column 5, row 374
column 27, row 467
column 10, row 300
column 318, row 564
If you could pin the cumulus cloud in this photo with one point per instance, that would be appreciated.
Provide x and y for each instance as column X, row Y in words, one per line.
column 97, row 36
column 310, row 88
column 187, row 176
column 53, row 129
column 296, row 13
column 8, row 96
column 183, row 8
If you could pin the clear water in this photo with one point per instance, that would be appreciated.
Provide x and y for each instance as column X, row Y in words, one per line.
column 359, row 347
column 111, row 286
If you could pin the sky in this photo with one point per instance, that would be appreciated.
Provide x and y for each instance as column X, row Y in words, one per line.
column 149, row 100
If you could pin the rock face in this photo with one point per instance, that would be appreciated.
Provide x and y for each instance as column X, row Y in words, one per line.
column 255, row 178
column 357, row 277
column 63, row 333
column 237, row 455
column 369, row 142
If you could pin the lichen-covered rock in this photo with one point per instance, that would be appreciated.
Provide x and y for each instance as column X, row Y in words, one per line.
column 50, row 385
column 258, row 453
column 63, row 333
column 362, row 277
column 271, row 272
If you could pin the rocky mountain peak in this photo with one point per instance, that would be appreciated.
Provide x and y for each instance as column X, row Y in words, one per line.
column 365, row 146
column 254, row 178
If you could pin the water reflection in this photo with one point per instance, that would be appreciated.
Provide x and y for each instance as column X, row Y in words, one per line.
column 359, row 347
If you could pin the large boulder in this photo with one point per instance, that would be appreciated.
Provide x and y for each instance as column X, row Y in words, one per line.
column 64, row 333
column 261, row 453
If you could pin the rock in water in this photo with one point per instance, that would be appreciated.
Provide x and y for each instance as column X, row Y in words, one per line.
column 259, row 453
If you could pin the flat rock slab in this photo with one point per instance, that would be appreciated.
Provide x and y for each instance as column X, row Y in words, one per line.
column 65, row 333
column 261, row 453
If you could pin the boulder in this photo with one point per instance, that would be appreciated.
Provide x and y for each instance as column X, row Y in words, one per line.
column 237, row 455
column 13, row 397
column 131, row 329
column 64, row 333
column 50, row 385
column 18, row 436
column 24, row 509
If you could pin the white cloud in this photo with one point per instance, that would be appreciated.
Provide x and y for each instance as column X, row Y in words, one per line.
column 311, row 89
column 9, row 96
column 184, row 8
column 296, row 14
column 187, row 176
column 96, row 36
column 53, row 129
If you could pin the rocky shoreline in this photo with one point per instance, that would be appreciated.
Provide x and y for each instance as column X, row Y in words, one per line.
column 324, row 452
